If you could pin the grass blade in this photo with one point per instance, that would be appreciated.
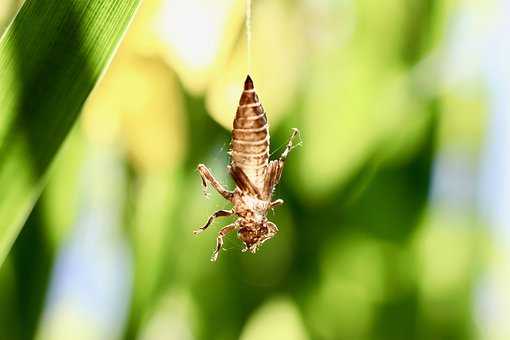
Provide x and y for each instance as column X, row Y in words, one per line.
column 51, row 56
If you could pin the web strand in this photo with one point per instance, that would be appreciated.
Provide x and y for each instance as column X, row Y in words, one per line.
column 248, row 35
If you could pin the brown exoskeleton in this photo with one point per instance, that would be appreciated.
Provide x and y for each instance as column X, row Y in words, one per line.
column 255, row 177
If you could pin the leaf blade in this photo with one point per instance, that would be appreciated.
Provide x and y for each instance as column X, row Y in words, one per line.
column 51, row 56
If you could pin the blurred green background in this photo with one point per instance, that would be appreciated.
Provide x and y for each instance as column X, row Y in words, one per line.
column 395, row 222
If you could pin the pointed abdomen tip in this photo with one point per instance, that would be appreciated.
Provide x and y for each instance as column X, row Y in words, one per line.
column 248, row 83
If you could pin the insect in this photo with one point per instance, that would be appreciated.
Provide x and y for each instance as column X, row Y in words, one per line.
column 254, row 175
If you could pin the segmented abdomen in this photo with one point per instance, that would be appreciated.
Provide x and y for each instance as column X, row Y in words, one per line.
column 250, row 136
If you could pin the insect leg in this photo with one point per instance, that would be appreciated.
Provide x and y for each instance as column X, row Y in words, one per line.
column 273, row 229
column 219, row 240
column 207, row 176
column 275, row 168
column 289, row 146
column 281, row 161
column 219, row 213
column 276, row 203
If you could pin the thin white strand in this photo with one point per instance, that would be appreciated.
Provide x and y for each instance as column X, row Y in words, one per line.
column 248, row 34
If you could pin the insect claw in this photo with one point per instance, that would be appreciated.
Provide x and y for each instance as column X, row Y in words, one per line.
column 296, row 132
column 197, row 231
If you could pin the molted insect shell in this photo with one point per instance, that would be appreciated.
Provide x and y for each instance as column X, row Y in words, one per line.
column 250, row 136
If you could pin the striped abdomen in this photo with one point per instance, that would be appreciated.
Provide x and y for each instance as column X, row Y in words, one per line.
column 250, row 136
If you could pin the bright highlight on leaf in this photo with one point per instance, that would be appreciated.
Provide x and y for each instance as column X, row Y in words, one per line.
column 51, row 56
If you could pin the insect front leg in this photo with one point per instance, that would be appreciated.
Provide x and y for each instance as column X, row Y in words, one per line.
column 207, row 176
column 219, row 240
column 273, row 229
column 219, row 213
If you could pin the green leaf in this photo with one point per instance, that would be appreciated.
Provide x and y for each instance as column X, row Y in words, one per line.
column 51, row 56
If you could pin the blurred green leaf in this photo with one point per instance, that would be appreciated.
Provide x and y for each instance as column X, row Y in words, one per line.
column 51, row 56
